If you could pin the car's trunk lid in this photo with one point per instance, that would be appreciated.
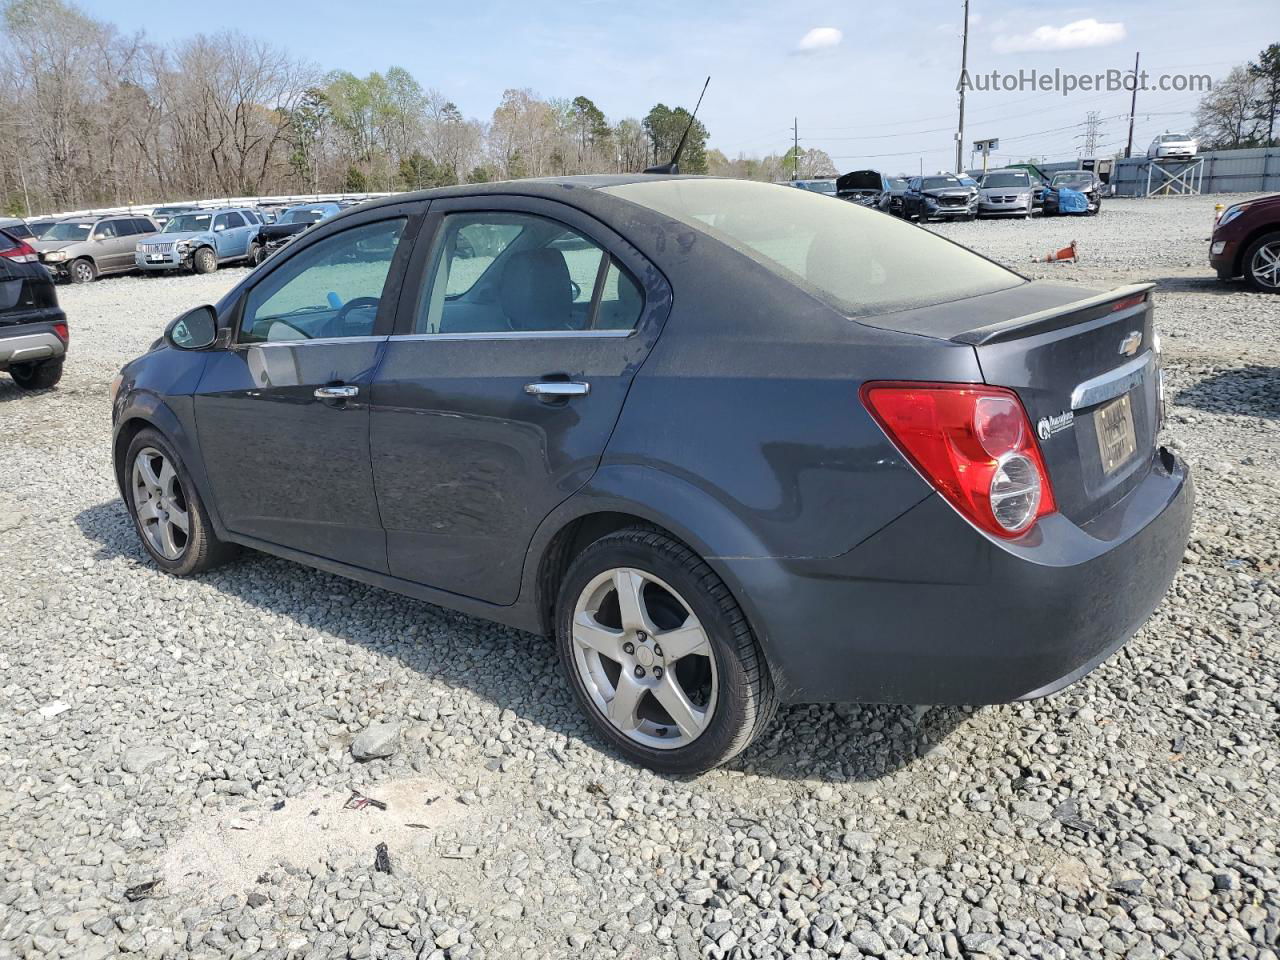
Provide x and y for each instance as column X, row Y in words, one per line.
column 1075, row 358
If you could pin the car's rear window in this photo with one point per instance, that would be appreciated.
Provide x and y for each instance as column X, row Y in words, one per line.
column 859, row 260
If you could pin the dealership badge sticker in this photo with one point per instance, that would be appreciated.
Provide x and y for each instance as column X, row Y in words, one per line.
column 1048, row 426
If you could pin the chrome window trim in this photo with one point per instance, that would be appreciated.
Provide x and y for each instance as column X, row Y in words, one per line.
column 516, row 335
column 1113, row 383
column 304, row 342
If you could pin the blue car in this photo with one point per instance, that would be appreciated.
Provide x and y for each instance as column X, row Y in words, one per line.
column 203, row 240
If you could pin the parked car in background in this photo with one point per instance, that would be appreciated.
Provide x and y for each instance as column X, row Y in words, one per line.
column 863, row 187
column 293, row 221
column 202, row 241
column 951, row 489
column 33, row 328
column 162, row 215
column 1082, row 181
column 891, row 199
column 1039, row 181
column 1172, row 146
column 824, row 185
column 81, row 249
column 1246, row 242
column 16, row 227
column 939, row 197
column 1004, row 193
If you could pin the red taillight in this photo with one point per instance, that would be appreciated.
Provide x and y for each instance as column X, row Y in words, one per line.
column 63, row 334
column 974, row 443
column 1128, row 302
column 22, row 252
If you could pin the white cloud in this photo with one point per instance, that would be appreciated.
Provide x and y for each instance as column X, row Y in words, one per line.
column 819, row 38
column 1072, row 36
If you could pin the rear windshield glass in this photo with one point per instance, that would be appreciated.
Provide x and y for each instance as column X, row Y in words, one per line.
column 858, row 260
column 68, row 230
column 303, row 216
column 189, row 223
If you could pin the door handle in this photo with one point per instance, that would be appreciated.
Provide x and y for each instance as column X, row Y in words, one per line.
column 557, row 389
column 342, row 392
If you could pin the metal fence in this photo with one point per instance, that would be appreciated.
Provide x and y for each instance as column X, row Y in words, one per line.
column 146, row 208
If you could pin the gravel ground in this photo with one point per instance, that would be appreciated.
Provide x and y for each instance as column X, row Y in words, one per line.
column 200, row 733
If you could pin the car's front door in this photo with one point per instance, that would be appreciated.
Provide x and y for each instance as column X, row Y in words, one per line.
column 503, row 382
column 230, row 235
column 110, row 246
column 283, row 415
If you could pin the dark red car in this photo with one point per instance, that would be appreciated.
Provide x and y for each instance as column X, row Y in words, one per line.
column 1246, row 242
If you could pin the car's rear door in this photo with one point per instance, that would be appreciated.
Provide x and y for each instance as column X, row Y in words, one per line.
column 502, row 383
column 283, row 415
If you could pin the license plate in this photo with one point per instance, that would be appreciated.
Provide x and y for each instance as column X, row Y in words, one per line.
column 156, row 257
column 1117, row 442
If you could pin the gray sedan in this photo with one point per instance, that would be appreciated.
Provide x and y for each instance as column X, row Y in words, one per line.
column 729, row 445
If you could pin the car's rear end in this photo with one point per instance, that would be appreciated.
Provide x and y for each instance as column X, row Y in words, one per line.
column 33, row 328
column 991, row 452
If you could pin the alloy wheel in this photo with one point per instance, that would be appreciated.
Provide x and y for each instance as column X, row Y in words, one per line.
column 644, row 659
column 160, row 504
column 83, row 271
column 1265, row 265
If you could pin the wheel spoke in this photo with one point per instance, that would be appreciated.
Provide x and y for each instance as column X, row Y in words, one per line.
column 630, row 587
column 684, row 640
column 168, row 546
column 588, row 633
column 148, row 474
column 167, row 477
column 684, row 714
column 180, row 519
column 147, row 509
column 626, row 700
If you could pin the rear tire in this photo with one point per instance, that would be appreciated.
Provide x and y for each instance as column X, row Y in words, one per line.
column 712, row 672
column 204, row 261
column 82, row 271
column 37, row 376
column 1261, row 263
column 161, row 498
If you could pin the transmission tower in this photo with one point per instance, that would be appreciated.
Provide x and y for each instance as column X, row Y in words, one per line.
column 1092, row 129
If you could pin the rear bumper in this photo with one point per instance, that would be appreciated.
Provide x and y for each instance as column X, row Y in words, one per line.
column 26, row 344
column 928, row 610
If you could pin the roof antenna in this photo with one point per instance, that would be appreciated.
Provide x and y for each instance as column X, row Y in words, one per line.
column 674, row 165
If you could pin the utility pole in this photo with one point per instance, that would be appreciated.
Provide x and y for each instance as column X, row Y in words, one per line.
column 964, row 67
column 1133, row 105
column 795, row 150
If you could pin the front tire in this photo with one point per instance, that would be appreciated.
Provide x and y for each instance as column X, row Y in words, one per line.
column 37, row 376
column 659, row 655
column 255, row 254
column 170, row 518
column 204, row 261
column 82, row 271
column 1262, row 263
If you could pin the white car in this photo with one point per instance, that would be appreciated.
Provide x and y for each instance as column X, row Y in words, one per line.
column 1171, row 146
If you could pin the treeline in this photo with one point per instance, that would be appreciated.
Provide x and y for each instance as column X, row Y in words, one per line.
column 1243, row 109
column 90, row 116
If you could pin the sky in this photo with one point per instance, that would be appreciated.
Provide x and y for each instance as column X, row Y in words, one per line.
column 874, row 85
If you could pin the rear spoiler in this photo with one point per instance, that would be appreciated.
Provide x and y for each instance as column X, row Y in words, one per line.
column 1043, row 321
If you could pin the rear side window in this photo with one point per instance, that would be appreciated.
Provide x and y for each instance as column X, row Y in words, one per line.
column 19, row 230
column 858, row 260
column 501, row 273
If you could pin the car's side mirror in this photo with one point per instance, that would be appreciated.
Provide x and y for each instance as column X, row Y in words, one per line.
column 195, row 330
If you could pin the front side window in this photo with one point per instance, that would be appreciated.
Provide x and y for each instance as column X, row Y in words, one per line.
column 330, row 289
column 515, row 272
column 859, row 261
column 105, row 230
column 231, row 220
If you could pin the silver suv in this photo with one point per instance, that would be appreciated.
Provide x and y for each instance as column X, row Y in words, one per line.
column 81, row 249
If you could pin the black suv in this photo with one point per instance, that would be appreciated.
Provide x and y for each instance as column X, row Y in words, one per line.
column 33, row 330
